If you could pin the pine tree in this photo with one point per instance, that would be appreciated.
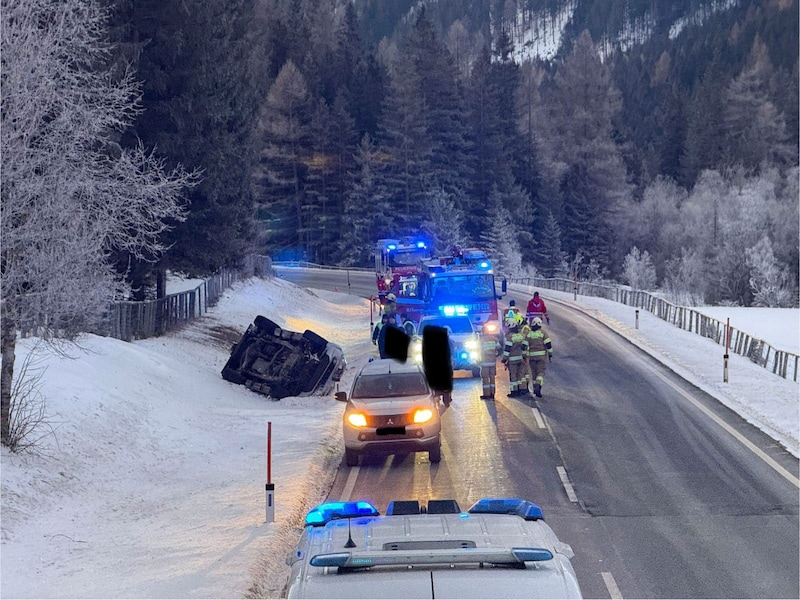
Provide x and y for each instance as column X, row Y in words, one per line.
column 280, row 177
column 755, row 130
column 444, row 223
column 547, row 256
column 367, row 215
column 499, row 238
column 201, row 90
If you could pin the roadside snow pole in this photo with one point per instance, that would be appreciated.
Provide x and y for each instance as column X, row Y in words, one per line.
column 727, row 347
column 575, row 285
column 371, row 318
column 270, row 487
column 637, row 318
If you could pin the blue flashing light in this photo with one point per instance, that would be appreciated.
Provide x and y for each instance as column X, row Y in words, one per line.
column 484, row 264
column 464, row 356
column 508, row 506
column 391, row 247
column 324, row 513
column 532, row 554
column 421, row 245
column 450, row 310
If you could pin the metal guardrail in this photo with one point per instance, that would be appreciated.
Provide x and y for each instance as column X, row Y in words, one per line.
column 308, row 265
column 780, row 362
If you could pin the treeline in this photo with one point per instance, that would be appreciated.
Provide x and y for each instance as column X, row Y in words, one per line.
column 314, row 140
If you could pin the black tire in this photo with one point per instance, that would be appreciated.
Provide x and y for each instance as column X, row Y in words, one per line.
column 350, row 458
column 435, row 453
column 317, row 343
column 266, row 325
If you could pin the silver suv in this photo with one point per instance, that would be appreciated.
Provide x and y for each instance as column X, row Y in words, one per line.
column 499, row 548
column 391, row 409
column 465, row 346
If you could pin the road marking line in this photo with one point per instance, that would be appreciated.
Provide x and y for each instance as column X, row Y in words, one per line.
column 538, row 416
column 562, row 473
column 742, row 439
column 350, row 483
column 611, row 585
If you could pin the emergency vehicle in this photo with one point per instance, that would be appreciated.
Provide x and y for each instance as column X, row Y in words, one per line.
column 499, row 548
column 397, row 263
column 461, row 284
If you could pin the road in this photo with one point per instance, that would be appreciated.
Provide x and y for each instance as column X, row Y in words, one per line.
column 661, row 491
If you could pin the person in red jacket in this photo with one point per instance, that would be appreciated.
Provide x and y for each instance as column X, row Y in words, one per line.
column 536, row 308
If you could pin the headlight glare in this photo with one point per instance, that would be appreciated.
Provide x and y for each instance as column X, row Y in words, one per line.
column 423, row 415
column 357, row 419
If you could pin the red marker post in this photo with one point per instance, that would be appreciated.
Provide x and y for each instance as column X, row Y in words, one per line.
column 270, row 487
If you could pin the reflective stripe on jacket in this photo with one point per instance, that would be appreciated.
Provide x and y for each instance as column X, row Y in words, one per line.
column 516, row 347
column 539, row 343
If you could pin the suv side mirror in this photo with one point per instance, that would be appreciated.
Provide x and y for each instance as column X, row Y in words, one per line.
column 340, row 396
column 504, row 285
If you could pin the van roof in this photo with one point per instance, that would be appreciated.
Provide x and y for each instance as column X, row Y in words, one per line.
column 458, row 555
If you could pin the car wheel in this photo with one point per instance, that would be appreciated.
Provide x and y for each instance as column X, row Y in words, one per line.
column 316, row 342
column 435, row 453
column 350, row 458
column 266, row 325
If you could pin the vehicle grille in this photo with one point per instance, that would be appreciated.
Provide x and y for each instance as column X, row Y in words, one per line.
column 390, row 421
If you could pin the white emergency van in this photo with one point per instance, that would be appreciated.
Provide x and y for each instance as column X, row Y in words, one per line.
column 499, row 548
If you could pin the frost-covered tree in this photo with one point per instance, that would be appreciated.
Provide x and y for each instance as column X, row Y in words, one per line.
column 769, row 281
column 445, row 222
column 638, row 270
column 70, row 196
column 500, row 239
column 685, row 278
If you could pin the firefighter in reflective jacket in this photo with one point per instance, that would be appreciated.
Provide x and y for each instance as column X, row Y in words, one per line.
column 526, row 377
column 489, row 349
column 540, row 351
column 514, row 352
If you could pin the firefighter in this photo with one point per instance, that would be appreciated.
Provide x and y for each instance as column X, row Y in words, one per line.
column 536, row 308
column 377, row 331
column 489, row 350
column 516, row 348
column 390, row 307
column 526, row 378
column 539, row 347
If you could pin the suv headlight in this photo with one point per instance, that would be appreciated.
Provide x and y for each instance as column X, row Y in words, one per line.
column 357, row 419
column 423, row 415
column 471, row 344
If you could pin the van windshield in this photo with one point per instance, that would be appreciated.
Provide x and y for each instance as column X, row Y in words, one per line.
column 389, row 386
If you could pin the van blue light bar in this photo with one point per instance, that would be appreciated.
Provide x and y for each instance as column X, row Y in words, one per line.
column 373, row 558
column 330, row 511
column 508, row 506
column 450, row 310
column 391, row 247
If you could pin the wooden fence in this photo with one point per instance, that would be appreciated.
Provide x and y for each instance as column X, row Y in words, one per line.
column 138, row 320
column 780, row 362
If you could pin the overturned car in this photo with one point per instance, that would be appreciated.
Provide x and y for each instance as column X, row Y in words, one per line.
column 278, row 363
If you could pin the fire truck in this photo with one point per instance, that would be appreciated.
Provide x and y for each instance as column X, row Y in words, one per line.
column 397, row 263
column 460, row 284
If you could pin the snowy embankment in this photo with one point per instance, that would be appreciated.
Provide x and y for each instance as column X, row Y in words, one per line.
column 152, row 485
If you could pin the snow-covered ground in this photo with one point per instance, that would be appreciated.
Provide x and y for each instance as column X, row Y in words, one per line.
column 152, row 485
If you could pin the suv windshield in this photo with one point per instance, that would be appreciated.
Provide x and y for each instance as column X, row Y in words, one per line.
column 388, row 386
column 456, row 325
